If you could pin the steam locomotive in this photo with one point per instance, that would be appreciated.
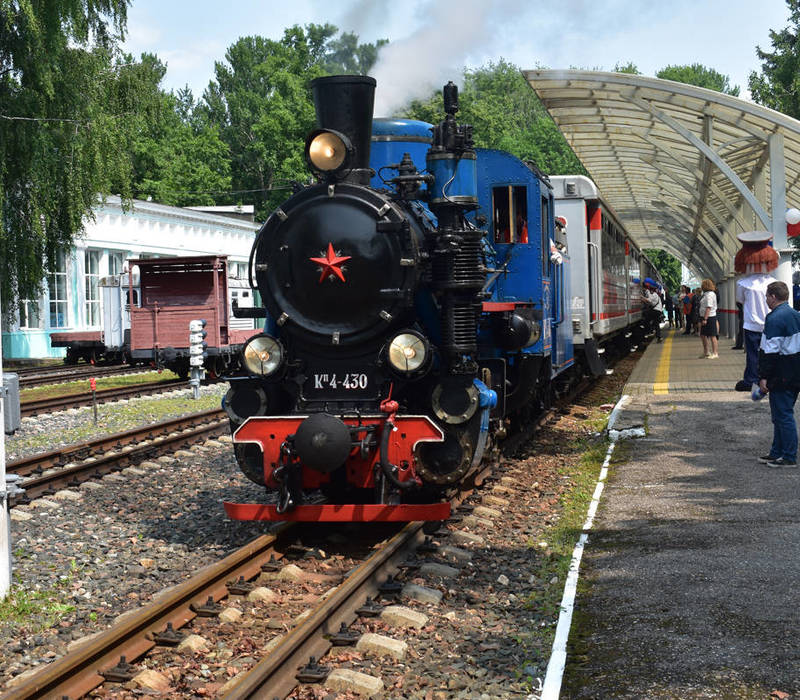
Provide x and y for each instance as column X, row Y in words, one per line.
column 416, row 297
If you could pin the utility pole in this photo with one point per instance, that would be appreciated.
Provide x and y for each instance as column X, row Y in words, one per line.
column 5, row 531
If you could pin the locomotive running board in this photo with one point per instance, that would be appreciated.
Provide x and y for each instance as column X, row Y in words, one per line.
column 367, row 513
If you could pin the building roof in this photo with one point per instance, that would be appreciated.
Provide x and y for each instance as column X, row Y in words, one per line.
column 685, row 168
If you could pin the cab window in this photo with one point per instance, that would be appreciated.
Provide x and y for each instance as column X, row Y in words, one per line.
column 510, row 214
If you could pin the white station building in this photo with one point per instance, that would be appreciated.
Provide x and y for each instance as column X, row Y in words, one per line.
column 70, row 299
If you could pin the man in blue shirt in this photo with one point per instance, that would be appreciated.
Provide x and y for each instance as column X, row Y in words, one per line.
column 779, row 374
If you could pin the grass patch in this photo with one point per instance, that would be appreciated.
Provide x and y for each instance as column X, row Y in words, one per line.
column 562, row 535
column 38, row 609
column 81, row 386
column 556, row 543
column 114, row 418
column 45, row 607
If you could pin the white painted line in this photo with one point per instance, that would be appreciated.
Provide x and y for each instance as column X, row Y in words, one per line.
column 558, row 656
column 612, row 418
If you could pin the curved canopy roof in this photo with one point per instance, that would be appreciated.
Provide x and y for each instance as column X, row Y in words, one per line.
column 686, row 169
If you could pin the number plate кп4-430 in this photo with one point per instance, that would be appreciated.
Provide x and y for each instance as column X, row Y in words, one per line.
column 339, row 381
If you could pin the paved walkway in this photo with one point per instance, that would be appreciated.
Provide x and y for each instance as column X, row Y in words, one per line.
column 690, row 583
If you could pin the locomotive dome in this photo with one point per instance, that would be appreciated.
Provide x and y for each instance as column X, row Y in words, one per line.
column 337, row 265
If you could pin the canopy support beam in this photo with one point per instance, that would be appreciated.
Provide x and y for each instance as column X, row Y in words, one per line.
column 707, row 151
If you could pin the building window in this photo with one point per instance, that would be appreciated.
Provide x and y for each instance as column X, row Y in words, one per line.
column 237, row 270
column 115, row 263
column 92, row 278
column 57, row 289
column 29, row 316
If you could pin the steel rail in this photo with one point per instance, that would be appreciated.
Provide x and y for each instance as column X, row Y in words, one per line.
column 274, row 676
column 80, row 671
column 62, row 456
column 74, row 475
column 34, row 408
column 64, row 375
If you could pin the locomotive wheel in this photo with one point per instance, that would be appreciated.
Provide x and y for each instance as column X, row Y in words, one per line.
column 444, row 463
column 251, row 461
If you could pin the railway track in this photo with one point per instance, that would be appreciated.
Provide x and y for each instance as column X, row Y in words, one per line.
column 62, row 403
column 117, row 655
column 39, row 376
column 214, row 601
column 42, row 474
column 78, row 673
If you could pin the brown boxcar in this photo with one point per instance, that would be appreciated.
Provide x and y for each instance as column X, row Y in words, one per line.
column 174, row 291
column 86, row 345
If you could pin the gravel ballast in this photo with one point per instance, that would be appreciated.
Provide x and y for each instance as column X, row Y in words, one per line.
column 120, row 541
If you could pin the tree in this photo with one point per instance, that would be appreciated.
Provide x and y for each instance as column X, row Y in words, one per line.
column 505, row 114
column 629, row 67
column 261, row 104
column 777, row 86
column 699, row 75
column 346, row 55
column 180, row 158
column 64, row 101
column 668, row 267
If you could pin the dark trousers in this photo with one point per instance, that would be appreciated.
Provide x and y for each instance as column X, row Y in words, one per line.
column 784, row 433
column 654, row 318
column 752, row 339
column 739, row 326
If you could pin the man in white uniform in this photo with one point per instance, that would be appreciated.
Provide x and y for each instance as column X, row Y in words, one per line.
column 755, row 261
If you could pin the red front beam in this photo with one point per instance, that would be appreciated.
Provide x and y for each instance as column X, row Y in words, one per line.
column 348, row 513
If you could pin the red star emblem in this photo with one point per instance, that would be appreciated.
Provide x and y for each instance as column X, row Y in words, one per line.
column 330, row 264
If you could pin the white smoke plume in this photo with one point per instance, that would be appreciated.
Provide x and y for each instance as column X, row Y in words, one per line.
column 453, row 31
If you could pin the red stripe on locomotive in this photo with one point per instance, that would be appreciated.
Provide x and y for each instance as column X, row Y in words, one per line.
column 269, row 432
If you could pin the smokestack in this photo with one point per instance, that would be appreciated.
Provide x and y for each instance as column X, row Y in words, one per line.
column 344, row 103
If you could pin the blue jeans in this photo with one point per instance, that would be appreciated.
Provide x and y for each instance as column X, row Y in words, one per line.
column 784, row 428
column 752, row 339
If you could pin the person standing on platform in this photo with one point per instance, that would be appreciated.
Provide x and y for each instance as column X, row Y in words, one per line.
column 677, row 306
column 697, row 295
column 779, row 374
column 686, row 300
column 756, row 259
column 708, row 321
column 668, row 305
column 653, row 307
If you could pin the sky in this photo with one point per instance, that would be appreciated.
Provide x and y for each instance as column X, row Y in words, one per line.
column 433, row 40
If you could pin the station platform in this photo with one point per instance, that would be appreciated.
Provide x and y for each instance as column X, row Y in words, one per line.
column 690, row 581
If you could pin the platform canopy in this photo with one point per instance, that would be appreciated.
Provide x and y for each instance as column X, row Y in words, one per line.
column 686, row 169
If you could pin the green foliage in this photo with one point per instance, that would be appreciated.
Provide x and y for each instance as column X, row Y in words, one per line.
column 668, row 266
column 65, row 108
column 42, row 609
column 629, row 67
column 506, row 114
column 180, row 158
column 345, row 55
column 778, row 84
column 261, row 104
column 699, row 75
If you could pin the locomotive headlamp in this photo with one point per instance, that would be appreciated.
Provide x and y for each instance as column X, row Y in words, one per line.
column 408, row 352
column 263, row 355
column 328, row 151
